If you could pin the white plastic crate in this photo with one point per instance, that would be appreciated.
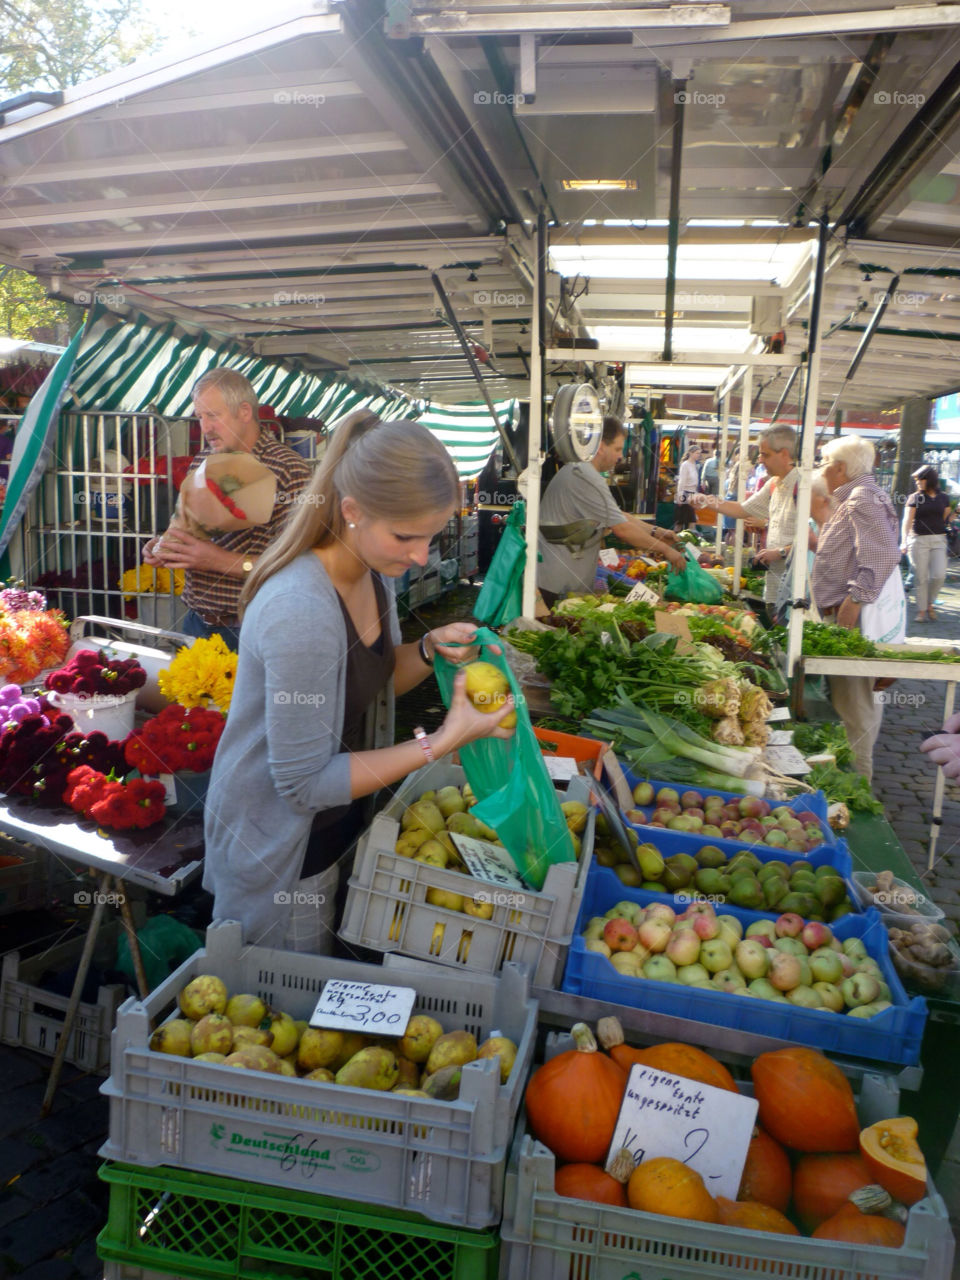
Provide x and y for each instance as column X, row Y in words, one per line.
column 445, row 1160
column 545, row 1236
column 386, row 907
column 33, row 1018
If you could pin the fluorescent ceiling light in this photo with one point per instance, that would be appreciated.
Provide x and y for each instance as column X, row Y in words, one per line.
column 749, row 261
column 665, row 375
column 686, row 338
column 716, row 222
column 599, row 184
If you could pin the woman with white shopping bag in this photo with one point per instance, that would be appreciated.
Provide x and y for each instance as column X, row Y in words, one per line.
column 856, row 580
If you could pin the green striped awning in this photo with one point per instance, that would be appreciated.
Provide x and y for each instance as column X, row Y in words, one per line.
column 137, row 365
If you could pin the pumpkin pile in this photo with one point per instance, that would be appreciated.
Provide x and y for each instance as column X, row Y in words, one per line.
column 810, row 1168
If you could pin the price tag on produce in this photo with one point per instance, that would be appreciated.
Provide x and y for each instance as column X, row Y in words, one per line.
column 170, row 786
column 780, row 737
column 778, row 713
column 561, row 768
column 672, row 624
column 609, row 558
column 787, row 760
column 486, row 861
column 364, row 1006
column 643, row 594
column 706, row 1128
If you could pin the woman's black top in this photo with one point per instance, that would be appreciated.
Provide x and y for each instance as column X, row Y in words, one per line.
column 931, row 509
column 369, row 667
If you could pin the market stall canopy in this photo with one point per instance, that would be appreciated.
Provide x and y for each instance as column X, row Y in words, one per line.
column 295, row 189
column 136, row 366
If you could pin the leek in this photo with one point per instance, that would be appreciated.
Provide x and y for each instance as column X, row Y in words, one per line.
column 684, row 741
column 680, row 770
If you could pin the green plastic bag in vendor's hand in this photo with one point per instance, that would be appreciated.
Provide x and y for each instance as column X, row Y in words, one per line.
column 501, row 596
column 692, row 583
column 515, row 794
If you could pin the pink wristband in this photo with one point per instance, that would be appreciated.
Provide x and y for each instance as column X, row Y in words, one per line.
column 421, row 736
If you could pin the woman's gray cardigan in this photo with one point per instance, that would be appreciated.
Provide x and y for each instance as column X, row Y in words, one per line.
column 278, row 762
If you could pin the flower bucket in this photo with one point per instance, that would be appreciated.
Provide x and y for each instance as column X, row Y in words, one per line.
column 191, row 792
column 111, row 714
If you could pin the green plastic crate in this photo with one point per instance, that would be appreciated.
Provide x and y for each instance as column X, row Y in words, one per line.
column 201, row 1227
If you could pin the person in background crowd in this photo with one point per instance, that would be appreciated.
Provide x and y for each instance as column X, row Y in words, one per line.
column 310, row 730
column 924, row 539
column 577, row 511
column 776, row 503
column 216, row 569
column 857, row 551
column 710, row 473
column 688, row 485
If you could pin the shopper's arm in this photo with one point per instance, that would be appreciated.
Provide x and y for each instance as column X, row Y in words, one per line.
column 636, row 534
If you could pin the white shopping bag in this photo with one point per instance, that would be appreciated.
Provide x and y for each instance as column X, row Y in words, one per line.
column 885, row 620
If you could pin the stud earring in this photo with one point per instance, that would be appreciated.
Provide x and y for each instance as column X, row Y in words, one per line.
column 351, row 525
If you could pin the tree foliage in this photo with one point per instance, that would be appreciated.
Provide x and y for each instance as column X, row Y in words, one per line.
column 26, row 311
column 52, row 44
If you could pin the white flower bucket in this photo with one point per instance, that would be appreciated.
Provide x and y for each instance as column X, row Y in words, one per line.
column 109, row 713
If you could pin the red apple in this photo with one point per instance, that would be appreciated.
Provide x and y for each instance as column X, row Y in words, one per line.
column 619, row 934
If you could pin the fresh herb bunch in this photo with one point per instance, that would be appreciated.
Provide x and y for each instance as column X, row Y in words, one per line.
column 812, row 739
column 824, row 640
column 839, row 785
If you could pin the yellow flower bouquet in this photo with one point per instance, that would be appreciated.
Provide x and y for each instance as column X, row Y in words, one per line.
column 201, row 675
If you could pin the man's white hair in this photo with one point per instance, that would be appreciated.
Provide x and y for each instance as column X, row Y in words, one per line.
column 856, row 453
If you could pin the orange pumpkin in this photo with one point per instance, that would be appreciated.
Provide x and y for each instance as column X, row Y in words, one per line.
column 853, row 1227
column 664, row 1185
column 574, row 1099
column 677, row 1060
column 766, row 1175
column 822, row 1183
column 589, row 1182
column 894, row 1158
column 805, row 1101
column 753, row 1216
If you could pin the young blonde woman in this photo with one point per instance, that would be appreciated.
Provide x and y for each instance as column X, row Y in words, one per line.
column 310, row 730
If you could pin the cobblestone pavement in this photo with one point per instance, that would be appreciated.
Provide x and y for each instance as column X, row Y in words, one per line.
column 903, row 779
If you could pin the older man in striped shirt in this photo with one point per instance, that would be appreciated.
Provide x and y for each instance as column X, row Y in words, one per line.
column 858, row 550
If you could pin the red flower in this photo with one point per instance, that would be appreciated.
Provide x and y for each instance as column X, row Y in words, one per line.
column 175, row 740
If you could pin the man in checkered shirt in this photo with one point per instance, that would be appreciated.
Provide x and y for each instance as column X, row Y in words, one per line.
column 858, row 550
column 215, row 569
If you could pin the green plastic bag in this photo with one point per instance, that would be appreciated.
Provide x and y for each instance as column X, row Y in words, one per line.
column 165, row 943
column 501, row 596
column 692, row 583
column 515, row 794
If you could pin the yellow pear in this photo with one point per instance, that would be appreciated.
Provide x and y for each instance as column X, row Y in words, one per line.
column 173, row 1037
column 244, row 1036
column 479, row 906
column 419, row 1038
column 204, row 994
column 318, row 1047
column 452, row 1049
column 444, row 899
column 285, row 1034
column 502, row 1048
column 246, row 1010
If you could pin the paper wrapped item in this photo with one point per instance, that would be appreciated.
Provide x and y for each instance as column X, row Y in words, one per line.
column 227, row 491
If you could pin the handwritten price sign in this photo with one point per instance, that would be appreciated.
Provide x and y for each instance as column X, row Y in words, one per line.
column 709, row 1129
column 364, row 1006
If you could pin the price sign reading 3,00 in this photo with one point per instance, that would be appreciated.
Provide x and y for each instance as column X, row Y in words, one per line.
column 364, row 1006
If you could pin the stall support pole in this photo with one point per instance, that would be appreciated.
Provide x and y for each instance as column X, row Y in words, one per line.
column 746, row 393
column 529, row 480
column 808, row 444
column 83, row 966
column 722, row 466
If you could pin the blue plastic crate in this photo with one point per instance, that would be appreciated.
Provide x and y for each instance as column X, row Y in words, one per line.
column 893, row 1036
column 681, row 841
